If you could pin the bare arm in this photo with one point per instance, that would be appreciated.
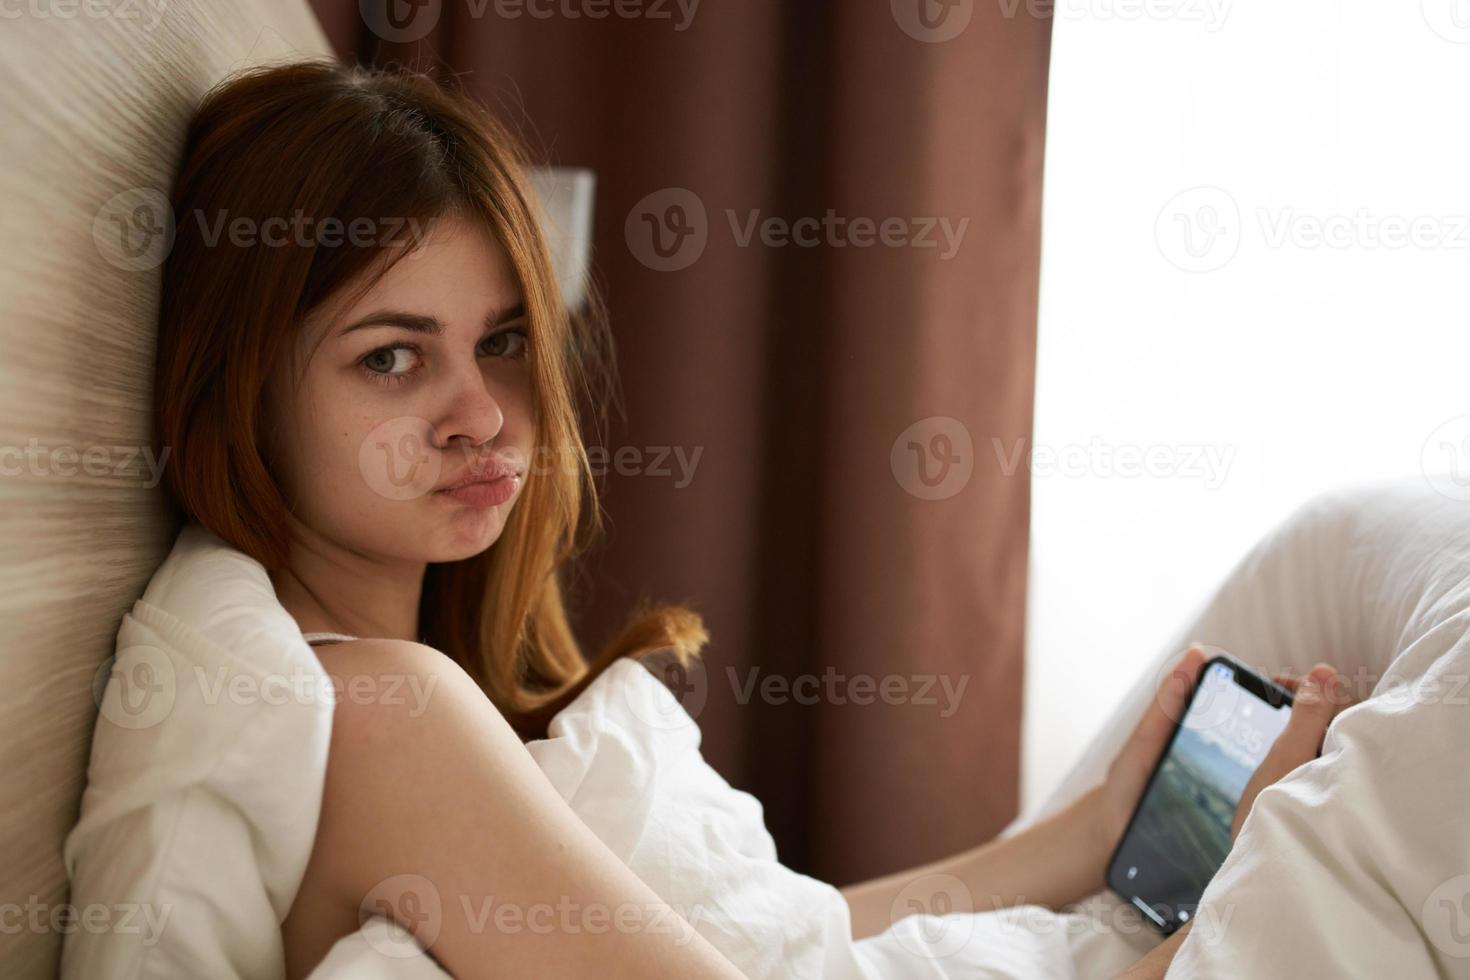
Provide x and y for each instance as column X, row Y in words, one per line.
column 435, row 814
column 1054, row 862
column 1156, row 963
column 1064, row 857
column 1059, row 860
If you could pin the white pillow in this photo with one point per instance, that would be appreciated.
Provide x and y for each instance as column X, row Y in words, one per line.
column 205, row 780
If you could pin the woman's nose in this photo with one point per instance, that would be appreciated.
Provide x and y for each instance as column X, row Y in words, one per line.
column 473, row 412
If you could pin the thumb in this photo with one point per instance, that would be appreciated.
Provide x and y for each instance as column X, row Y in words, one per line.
column 1316, row 703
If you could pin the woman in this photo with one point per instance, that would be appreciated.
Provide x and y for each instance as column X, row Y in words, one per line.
column 370, row 385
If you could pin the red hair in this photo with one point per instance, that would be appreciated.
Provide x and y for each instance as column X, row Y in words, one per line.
column 329, row 140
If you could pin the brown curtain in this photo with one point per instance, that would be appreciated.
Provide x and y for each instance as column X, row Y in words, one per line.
column 855, row 512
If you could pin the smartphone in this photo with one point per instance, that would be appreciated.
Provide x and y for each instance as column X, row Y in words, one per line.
column 1179, row 834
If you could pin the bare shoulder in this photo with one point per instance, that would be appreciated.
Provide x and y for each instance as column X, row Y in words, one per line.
column 430, row 795
column 366, row 656
column 408, row 694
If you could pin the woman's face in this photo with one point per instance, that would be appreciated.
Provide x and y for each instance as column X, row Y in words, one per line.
column 412, row 388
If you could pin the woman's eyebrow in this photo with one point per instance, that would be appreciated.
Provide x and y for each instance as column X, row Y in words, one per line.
column 416, row 322
column 507, row 315
column 422, row 323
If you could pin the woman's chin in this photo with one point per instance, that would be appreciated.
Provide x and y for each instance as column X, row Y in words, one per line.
column 465, row 532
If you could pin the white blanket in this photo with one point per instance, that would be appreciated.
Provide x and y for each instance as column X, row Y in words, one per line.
column 1356, row 865
column 625, row 756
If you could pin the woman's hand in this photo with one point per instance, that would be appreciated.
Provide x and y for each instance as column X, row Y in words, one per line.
column 1130, row 770
column 1318, row 697
column 1061, row 858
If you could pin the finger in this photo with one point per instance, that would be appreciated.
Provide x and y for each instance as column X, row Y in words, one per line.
column 1167, row 707
column 1312, row 711
column 1174, row 690
column 1288, row 681
column 1337, row 690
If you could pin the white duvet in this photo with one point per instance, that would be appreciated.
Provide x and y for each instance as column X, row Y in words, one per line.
column 625, row 756
column 1356, row 865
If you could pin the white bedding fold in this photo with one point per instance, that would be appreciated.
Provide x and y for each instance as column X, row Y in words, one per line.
column 625, row 756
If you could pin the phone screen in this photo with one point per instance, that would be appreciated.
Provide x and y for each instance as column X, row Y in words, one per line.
column 1180, row 832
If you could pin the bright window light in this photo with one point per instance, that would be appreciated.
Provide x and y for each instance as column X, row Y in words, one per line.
column 1255, row 285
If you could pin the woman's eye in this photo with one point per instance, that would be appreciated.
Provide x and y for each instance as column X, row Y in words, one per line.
column 390, row 361
column 506, row 343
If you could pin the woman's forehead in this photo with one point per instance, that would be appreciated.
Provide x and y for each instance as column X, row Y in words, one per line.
column 459, row 274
